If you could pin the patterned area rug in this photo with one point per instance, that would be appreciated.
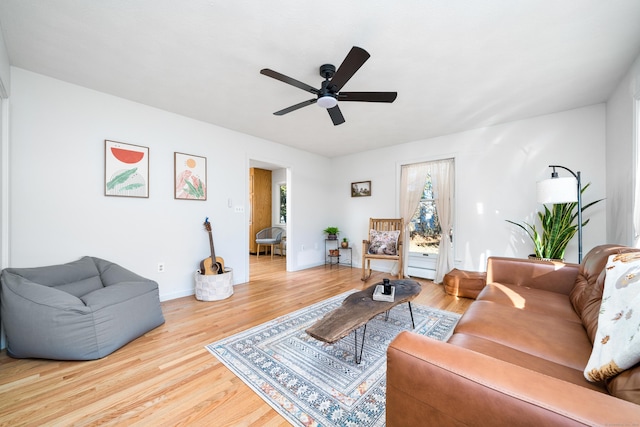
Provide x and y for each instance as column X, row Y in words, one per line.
column 312, row 383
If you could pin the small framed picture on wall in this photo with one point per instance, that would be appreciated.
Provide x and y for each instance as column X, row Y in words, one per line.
column 190, row 177
column 361, row 189
column 126, row 170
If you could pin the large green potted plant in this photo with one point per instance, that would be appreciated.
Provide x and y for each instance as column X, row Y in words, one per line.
column 558, row 226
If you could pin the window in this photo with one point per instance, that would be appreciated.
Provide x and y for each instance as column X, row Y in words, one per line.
column 425, row 225
column 283, row 204
column 426, row 203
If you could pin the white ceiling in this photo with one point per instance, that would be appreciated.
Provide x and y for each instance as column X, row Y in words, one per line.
column 456, row 64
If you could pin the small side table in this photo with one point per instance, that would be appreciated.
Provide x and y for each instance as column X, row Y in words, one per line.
column 334, row 251
column 333, row 258
column 348, row 259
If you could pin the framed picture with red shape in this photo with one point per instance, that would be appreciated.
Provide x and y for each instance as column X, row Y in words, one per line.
column 126, row 170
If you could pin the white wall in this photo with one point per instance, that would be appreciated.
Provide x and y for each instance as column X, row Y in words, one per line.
column 5, row 86
column 620, row 157
column 58, row 211
column 496, row 173
column 5, row 70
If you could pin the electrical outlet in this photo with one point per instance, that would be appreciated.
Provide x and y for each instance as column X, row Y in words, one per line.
column 302, row 247
column 161, row 267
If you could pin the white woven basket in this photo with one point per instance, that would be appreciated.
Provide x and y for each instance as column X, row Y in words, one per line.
column 214, row 287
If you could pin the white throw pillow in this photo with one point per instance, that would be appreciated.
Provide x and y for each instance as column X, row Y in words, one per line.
column 617, row 341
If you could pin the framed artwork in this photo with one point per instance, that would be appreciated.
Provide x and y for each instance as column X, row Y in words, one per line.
column 361, row 189
column 190, row 176
column 126, row 170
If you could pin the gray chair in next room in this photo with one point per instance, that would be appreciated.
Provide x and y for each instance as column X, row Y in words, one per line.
column 272, row 237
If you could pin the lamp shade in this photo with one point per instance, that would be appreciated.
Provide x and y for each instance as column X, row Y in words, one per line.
column 557, row 190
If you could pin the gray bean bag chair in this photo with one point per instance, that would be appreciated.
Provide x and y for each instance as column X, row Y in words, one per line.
column 82, row 310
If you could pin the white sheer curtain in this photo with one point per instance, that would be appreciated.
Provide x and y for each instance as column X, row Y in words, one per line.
column 412, row 180
column 442, row 176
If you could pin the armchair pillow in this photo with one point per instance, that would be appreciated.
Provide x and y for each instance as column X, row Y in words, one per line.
column 383, row 242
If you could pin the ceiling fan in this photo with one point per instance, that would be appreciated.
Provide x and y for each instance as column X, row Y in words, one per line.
column 329, row 93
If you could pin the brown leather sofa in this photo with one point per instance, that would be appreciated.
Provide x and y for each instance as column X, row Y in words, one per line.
column 517, row 355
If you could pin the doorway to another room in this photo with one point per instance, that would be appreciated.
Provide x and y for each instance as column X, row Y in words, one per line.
column 268, row 212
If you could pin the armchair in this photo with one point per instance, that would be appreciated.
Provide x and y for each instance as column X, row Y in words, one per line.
column 272, row 237
column 385, row 243
column 82, row 310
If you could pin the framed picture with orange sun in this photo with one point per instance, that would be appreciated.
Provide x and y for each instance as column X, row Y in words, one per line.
column 126, row 169
column 190, row 176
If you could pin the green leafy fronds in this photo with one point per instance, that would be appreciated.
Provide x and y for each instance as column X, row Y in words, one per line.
column 559, row 225
column 121, row 178
column 132, row 186
column 197, row 192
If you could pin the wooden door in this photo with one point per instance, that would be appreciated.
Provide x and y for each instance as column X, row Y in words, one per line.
column 260, row 203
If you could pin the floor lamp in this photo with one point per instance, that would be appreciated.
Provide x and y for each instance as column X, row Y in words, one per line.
column 563, row 190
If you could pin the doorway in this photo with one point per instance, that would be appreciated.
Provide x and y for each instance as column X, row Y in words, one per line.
column 269, row 201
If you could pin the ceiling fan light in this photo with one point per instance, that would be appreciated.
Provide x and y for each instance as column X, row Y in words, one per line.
column 327, row 101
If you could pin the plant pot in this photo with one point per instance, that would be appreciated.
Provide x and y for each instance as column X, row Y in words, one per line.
column 334, row 252
column 344, row 244
column 532, row 256
column 332, row 236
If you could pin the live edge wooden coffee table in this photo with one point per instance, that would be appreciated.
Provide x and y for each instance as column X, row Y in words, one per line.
column 357, row 309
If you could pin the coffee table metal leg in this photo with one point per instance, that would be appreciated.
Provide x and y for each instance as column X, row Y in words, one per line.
column 411, row 311
column 358, row 358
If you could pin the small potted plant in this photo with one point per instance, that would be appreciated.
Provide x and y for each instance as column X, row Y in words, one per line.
column 345, row 243
column 332, row 233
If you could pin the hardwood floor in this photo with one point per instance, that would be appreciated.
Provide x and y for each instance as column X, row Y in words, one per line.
column 167, row 377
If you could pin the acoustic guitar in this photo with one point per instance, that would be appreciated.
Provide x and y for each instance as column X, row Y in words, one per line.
column 213, row 264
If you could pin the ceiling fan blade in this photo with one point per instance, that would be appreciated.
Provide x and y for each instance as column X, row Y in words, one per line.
column 286, row 79
column 296, row 107
column 368, row 96
column 352, row 63
column 336, row 115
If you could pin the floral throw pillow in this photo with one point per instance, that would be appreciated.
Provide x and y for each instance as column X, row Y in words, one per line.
column 617, row 341
column 383, row 242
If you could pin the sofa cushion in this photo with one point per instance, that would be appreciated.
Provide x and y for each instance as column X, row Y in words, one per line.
column 534, row 273
column 525, row 360
column 81, row 287
column 24, row 293
column 76, row 278
column 626, row 385
column 586, row 295
column 559, row 341
column 118, row 293
column 550, row 304
column 112, row 273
